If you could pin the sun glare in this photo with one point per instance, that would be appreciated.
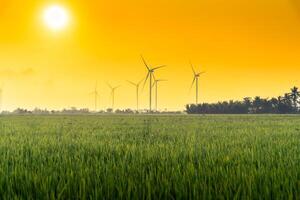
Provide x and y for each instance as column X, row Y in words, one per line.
column 56, row 17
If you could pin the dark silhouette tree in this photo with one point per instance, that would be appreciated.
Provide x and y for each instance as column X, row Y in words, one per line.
column 257, row 104
column 295, row 95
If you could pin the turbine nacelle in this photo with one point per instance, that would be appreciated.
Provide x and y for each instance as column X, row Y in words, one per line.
column 198, row 74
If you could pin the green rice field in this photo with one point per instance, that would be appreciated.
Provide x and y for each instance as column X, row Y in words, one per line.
column 150, row 157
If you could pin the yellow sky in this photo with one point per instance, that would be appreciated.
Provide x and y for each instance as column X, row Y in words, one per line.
column 248, row 48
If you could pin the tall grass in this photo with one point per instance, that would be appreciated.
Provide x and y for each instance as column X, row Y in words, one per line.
column 150, row 157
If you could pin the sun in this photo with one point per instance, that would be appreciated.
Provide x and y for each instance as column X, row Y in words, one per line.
column 56, row 17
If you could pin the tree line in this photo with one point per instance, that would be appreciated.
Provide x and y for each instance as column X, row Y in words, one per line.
column 81, row 111
column 286, row 104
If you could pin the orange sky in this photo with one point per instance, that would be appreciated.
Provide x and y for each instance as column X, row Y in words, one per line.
column 248, row 48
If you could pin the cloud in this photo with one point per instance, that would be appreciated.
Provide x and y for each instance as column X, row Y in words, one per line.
column 9, row 73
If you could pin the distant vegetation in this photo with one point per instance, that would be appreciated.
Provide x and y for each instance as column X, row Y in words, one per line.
column 286, row 104
column 81, row 111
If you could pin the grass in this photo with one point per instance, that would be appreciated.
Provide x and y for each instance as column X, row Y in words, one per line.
column 150, row 157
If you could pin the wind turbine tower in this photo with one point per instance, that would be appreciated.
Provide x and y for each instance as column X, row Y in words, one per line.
column 137, row 86
column 96, row 93
column 113, row 89
column 156, row 81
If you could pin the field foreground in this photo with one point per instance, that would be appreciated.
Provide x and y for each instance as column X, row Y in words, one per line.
column 150, row 157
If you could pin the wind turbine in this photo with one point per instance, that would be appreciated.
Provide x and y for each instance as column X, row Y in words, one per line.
column 96, row 93
column 150, row 76
column 196, row 78
column 155, row 84
column 113, row 89
column 137, row 85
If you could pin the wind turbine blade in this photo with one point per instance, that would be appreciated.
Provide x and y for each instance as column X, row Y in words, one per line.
column 117, row 87
column 154, row 78
column 159, row 67
column 193, row 83
column 140, row 82
column 202, row 73
column 193, row 68
column 145, row 63
column 161, row 80
column 146, row 80
column 132, row 83
column 155, row 82
column 109, row 86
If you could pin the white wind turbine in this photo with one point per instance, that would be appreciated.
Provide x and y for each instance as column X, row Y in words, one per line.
column 96, row 96
column 196, row 79
column 113, row 89
column 137, row 86
column 150, row 76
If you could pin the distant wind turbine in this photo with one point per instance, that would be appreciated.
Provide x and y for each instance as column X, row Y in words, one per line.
column 196, row 79
column 96, row 93
column 113, row 89
column 137, row 86
column 150, row 76
column 155, row 84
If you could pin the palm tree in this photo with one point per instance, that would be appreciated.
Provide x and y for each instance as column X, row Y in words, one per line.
column 257, row 104
column 287, row 98
column 295, row 95
column 247, row 102
column 274, row 103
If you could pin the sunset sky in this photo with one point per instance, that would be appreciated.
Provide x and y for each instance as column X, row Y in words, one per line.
column 247, row 48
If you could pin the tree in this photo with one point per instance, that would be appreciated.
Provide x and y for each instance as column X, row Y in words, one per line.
column 109, row 110
column 257, row 104
column 295, row 95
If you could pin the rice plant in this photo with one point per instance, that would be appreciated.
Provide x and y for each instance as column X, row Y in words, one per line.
column 150, row 157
